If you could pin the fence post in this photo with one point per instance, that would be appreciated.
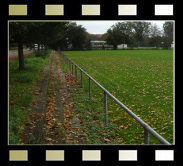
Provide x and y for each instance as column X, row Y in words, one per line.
column 90, row 88
column 105, row 109
column 146, row 136
column 72, row 68
column 70, row 65
column 81, row 79
column 76, row 72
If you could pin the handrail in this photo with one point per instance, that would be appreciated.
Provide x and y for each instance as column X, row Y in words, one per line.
column 147, row 128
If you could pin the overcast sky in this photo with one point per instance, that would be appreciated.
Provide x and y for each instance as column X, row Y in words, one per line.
column 100, row 27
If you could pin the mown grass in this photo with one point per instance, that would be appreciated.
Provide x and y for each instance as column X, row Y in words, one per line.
column 22, row 84
column 140, row 79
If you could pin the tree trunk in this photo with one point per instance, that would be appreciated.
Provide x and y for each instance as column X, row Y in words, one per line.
column 46, row 47
column 34, row 47
column 30, row 47
column 42, row 49
column 115, row 47
column 20, row 56
column 37, row 54
column 38, row 48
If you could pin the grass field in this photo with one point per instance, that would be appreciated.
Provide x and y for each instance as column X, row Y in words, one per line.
column 140, row 79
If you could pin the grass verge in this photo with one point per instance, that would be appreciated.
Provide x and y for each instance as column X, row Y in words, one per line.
column 22, row 85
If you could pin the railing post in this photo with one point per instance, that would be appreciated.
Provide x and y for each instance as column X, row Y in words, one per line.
column 90, row 88
column 105, row 109
column 146, row 136
column 76, row 72
column 81, row 79
column 72, row 69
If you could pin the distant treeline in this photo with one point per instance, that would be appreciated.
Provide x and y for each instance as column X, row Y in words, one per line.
column 69, row 35
column 140, row 34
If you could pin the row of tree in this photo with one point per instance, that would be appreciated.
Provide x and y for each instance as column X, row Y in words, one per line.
column 50, row 34
column 64, row 35
column 140, row 34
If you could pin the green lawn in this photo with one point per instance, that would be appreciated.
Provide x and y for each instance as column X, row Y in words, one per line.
column 22, row 84
column 140, row 79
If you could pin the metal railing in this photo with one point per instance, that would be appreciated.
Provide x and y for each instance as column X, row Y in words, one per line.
column 147, row 128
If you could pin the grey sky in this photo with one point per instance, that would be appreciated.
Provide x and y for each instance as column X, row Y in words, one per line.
column 100, row 27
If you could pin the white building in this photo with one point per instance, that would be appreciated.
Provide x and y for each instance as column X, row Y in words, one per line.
column 96, row 44
column 172, row 45
column 121, row 46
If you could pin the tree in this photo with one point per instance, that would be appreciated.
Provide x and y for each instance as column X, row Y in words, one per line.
column 18, row 33
column 155, row 37
column 126, row 32
column 120, row 33
column 41, row 33
column 88, row 41
column 113, row 37
column 168, row 34
column 77, row 36
column 48, row 34
column 141, row 32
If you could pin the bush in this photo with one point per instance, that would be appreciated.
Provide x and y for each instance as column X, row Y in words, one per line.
column 41, row 53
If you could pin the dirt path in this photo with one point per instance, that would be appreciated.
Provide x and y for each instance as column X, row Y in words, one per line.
column 74, row 132
column 52, row 118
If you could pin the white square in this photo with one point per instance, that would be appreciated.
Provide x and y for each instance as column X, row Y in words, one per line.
column 91, row 155
column 127, row 10
column 18, row 155
column 90, row 10
column 127, row 155
column 54, row 10
column 164, row 155
column 164, row 10
column 54, row 155
column 19, row 10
